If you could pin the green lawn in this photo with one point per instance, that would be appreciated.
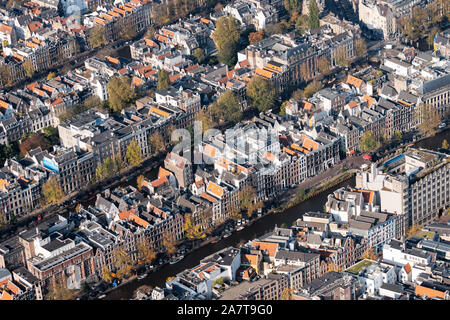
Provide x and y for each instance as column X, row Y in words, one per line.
column 355, row 269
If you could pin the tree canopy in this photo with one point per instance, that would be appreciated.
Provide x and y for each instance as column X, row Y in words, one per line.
column 368, row 142
column 163, row 80
column 313, row 21
column 226, row 108
column 134, row 155
column 120, row 93
column 52, row 191
column 226, row 36
column 261, row 93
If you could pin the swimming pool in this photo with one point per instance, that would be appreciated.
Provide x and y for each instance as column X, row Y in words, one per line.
column 395, row 159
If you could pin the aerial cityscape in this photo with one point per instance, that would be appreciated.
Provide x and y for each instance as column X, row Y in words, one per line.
column 224, row 150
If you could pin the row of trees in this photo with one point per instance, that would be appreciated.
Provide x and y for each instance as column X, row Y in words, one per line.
column 427, row 116
column 112, row 165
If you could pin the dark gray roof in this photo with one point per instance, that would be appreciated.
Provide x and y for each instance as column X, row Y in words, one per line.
column 295, row 255
column 435, row 84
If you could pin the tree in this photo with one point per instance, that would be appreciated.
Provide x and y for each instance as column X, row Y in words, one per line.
column 199, row 55
column 248, row 201
column 106, row 274
column 368, row 142
column 286, row 294
column 51, row 75
column 52, row 191
column 341, row 57
column 302, row 23
column 120, row 93
column 234, row 213
column 123, row 263
column 5, row 75
column 206, row 119
column 169, row 243
column 293, row 6
column 191, row 230
column 97, row 36
column 445, row 144
column 313, row 21
column 150, row 33
column 139, row 181
column 58, row 291
column 428, row 118
column 311, row 89
column 324, row 65
column 370, row 254
column 413, row 230
column 157, row 142
column 261, row 93
column 163, row 80
column 397, row 136
column 255, row 37
column 145, row 252
column 360, row 47
column 226, row 36
column 127, row 30
column 283, row 107
column 31, row 142
column 27, row 65
column 226, row 108
column 134, row 155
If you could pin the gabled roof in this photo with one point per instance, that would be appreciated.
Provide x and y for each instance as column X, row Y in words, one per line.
column 354, row 81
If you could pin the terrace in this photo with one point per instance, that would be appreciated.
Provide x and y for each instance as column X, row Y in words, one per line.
column 357, row 268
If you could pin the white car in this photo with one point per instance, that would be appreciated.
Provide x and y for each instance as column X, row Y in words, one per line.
column 442, row 125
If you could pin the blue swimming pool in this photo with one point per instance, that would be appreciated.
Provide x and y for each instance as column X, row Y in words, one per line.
column 395, row 159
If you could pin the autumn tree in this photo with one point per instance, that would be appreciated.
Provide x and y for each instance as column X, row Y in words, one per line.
column 157, row 142
column 106, row 274
column 227, row 108
column 302, row 23
column 32, row 142
column 169, row 243
column 58, row 290
column 134, row 155
column 368, row 143
column 360, row 47
column 397, row 136
column 27, row 66
column 6, row 78
column 248, row 201
column 413, row 230
column 206, row 119
column 199, row 55
column 226, row 36
column 293, row 6
column 313, row 21
column 163, row 80
column 324, row 65
column 52, row 191
column 123, row 262
column 120, row 93
column 127, row 30
column 341, row 57
column 311, row 89
column 145, row 252
column 286, row 294
column 255, row 37
column 445, row 144
column 261, row 93
column 192, row 230
column 150, row 33
column 139, row 181
column 51, row 75
column 370, row 254
column 428, row 118
column 234, row 213
column 97, row 36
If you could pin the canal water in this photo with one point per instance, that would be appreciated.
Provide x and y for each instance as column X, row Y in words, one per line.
column 257, row 229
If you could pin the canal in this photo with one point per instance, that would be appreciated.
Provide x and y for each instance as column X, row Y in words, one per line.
column 257, row 229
